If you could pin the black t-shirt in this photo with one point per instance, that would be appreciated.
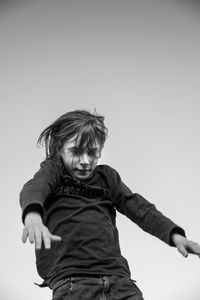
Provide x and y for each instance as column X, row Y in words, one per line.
column 83, row 213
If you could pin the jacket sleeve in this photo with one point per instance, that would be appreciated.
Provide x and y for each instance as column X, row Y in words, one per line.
column 143, row 212
column 35, row 191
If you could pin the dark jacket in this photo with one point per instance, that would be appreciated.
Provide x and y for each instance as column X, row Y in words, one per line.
column 83, row 214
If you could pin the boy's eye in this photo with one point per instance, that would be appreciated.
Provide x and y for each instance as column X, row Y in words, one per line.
column 94, row 153
column 91, row 152
column 76, row 151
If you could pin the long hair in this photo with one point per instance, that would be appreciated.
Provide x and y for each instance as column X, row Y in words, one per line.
column 87, row 127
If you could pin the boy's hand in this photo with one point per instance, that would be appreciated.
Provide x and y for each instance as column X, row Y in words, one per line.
column 185, row 246
column 35, row 230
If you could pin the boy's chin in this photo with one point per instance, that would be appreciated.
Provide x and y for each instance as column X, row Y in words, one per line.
column 82, row 175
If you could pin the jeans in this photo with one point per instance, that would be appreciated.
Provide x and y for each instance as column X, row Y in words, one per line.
column 96, row 288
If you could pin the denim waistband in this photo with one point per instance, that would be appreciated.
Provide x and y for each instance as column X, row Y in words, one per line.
column 74, row 278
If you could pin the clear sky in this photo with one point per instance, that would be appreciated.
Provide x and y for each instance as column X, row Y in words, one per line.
column 137, row 63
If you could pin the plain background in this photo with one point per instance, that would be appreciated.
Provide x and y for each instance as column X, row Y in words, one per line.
column 135, row 62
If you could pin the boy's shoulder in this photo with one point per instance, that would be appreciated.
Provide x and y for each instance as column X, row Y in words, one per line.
column 108, row 171
column 106, row 168
column 51, row 163
column 52, row 166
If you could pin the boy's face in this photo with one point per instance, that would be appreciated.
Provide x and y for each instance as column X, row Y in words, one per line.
column 80, row 162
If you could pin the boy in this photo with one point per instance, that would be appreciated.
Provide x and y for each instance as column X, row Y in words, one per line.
column 69, row 210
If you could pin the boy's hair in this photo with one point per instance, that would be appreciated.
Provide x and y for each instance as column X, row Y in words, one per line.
column 88, row 127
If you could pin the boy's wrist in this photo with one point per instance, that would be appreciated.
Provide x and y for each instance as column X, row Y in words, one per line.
column 32, row 217
column 32, row 208
column 177, row 231
column 177, row 238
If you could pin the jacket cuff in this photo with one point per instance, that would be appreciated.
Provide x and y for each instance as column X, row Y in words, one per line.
column 35, row 207
column 178, row 230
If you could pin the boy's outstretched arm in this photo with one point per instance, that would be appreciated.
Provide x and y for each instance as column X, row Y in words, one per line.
column 37, row 232
column 184, row 245
column 146, row 216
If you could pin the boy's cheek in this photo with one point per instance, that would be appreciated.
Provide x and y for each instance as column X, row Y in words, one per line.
column 68, row 163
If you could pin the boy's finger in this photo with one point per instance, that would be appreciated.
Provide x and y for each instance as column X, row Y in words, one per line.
column 182, row 250
column 55, row 238
column 31, row 236
column 38, row 240
column 24, row 235
column 46, row 240
column 194, row 248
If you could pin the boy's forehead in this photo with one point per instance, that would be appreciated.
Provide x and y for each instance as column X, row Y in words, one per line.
column 75, row 142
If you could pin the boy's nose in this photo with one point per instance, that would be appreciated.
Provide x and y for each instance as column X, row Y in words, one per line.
column 84, row 160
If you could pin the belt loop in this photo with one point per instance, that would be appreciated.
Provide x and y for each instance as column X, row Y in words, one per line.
column 105, row 283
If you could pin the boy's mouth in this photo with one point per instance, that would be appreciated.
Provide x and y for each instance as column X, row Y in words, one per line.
column 83, row 173
column 83, row 170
